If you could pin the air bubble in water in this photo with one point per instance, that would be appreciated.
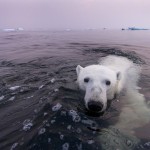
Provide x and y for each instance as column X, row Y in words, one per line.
column 79, row 130
column 53, row 121
column 90, row 141
column 42, row 130
column 27, row 124
column 65, row 146
column 69, row 127
column 56, row 90
column 61, row 137
column 1, row 97
column 56, row 107
column 41, row 86
column 75, row 116
column 79, row 147
column 14, row 146
column 49, row 140
column 14, row 88
column 52, row 80
column 12, row 98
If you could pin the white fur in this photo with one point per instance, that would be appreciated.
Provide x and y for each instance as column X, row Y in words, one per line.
column 121, row 72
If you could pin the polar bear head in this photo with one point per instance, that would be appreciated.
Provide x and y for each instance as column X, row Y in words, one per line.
column 99, row 83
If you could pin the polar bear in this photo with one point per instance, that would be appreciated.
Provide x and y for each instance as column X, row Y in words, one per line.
column 105, row 81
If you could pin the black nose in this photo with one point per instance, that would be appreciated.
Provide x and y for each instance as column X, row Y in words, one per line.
column 95, row 106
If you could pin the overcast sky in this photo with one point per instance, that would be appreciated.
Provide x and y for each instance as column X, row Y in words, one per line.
column 74, row 14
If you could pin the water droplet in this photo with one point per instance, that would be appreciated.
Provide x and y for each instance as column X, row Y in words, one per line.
column 41, row 86
column 65, row 146
column 2, row 97
column 61, row 137
column 14, row 88
column 27, row 124
column 75, row 116
column 49, row 140
column 14, row 146
column 52, row 80
column 129, row 143
column 90, row 141
column 79, row 130
column 56, row 107
column 79, row 147
column 56, row 90
column 63, row 113
column 45, row 113
column 42, row 130
column 12, row 98
column 48, row 125
column 69, row 127
column 147, row 144
column 53, row 121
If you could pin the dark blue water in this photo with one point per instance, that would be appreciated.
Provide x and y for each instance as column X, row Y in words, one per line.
column 37, row 73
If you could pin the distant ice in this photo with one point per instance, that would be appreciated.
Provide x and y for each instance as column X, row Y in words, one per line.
column 13, row 29
column 9, row 30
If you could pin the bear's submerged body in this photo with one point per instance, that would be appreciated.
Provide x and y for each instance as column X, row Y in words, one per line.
column 111, row 76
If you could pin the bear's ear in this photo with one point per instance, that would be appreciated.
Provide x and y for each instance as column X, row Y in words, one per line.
column 78, row 69
column 118, row 75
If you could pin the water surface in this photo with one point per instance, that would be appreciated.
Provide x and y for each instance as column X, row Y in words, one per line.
column 37, row 73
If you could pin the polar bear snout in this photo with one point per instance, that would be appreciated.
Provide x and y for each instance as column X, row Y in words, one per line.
column 95, row 99
column 95, row 106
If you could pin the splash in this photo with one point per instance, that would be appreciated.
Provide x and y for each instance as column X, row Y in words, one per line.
column 135, row 113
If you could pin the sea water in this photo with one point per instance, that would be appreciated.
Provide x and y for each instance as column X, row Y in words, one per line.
column 34, row 115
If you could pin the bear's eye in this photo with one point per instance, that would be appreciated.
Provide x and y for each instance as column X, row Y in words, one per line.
column 107, row 82
column 86, row 80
